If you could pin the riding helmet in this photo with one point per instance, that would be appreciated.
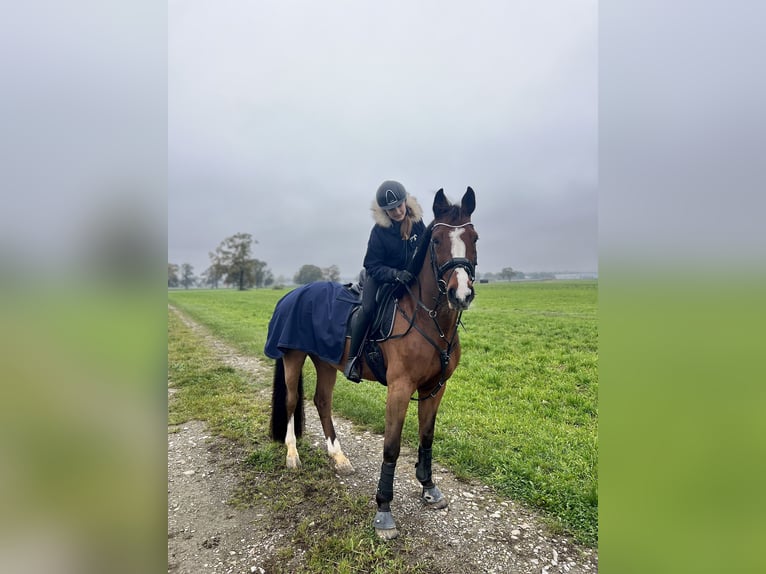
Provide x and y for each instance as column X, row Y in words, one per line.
column 390, row 194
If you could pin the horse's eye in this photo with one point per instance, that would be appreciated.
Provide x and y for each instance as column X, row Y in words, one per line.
column 436, row 241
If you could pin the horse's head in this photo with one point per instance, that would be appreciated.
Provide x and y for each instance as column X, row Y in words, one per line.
column 453, row 248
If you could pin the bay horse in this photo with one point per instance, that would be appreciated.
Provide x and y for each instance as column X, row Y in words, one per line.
column 421, row 354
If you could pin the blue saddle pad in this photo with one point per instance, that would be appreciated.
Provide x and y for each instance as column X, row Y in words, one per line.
column 311, row 318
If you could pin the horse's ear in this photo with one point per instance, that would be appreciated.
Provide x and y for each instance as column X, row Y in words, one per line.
column 441, row 203
column 468, row 203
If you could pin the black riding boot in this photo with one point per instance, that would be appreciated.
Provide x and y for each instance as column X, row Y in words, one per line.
column 358, row 331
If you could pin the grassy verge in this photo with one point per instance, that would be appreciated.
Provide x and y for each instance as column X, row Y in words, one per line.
column 205, row 389
column 520, row 413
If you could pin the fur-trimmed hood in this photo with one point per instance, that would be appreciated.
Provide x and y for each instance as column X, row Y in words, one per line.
column 382, row 219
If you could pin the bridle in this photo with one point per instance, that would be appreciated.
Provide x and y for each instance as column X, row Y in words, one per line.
column 452, row 264
column 439, row 270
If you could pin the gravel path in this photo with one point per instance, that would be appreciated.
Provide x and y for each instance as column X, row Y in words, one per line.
column 479, row 532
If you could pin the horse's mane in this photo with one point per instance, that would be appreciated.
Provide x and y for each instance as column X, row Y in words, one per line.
column 416, row 263
column 421, row 249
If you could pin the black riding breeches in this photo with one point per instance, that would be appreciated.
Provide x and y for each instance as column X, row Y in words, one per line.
column 369, row 293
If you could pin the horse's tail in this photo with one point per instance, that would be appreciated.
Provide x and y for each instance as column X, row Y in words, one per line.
column 279, row 405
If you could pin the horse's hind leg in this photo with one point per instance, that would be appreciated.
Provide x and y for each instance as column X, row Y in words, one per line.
column 326, row 375
column 293, row 362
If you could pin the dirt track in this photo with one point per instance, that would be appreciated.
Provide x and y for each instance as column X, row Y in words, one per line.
column 479, row 532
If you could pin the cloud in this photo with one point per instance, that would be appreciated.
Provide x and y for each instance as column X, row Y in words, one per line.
column 285, row 117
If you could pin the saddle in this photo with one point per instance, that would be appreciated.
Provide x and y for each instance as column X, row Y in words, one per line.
column 381, row 326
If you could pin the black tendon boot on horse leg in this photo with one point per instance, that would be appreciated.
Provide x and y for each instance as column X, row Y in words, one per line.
column 384, row 524
column 431, row 494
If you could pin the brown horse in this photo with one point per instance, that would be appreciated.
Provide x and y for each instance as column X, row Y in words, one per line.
column 421, row 354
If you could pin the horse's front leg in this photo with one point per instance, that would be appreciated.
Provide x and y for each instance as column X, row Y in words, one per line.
column 427, row 409
column 396, row 409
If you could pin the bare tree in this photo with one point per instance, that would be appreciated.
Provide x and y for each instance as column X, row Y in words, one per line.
column 187, row 275
column 331, row 273
column 237, row 265
column 263, row 276
column 172, row 275
column 216, row 271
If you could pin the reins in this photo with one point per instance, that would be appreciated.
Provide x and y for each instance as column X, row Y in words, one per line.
column 441, row 285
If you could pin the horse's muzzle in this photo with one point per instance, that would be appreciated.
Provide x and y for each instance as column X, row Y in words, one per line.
column 460, row 296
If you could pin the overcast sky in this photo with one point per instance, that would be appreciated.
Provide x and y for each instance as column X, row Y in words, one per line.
column 285, row 116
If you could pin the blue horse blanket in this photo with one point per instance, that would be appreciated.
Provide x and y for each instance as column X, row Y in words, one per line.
column 311, row 318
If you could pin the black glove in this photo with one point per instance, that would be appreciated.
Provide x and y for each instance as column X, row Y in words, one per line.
column 404, row 276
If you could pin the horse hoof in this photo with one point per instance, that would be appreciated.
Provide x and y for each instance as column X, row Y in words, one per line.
column 385, row 527
column 294, row 463
column 344, row 469
column 433, row 498
column 388, row 534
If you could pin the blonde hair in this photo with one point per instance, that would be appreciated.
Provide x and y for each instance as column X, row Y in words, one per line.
column 405, row 227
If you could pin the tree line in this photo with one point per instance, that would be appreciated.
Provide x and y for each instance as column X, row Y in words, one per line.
column 510, row 274
column 232, row 265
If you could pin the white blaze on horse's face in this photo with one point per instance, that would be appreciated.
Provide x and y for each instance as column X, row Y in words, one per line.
column 464, row 291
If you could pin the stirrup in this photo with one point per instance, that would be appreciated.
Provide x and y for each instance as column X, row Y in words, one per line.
column 351, row 372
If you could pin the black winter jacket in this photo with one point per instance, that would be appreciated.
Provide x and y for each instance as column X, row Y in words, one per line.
column 387, row 252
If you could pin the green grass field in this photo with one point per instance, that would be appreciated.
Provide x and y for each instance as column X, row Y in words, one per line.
column 520, row 413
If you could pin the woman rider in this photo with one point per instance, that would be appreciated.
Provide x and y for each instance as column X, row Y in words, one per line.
column 398, row 224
